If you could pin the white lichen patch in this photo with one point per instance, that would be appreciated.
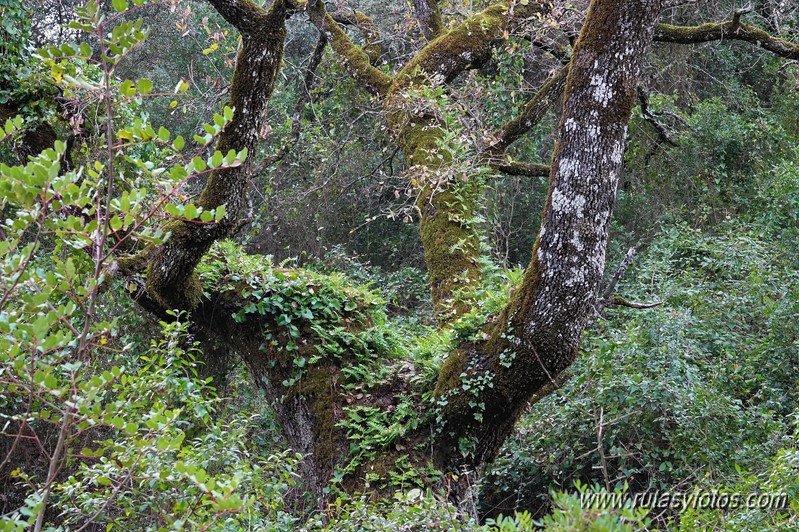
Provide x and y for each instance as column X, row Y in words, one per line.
column 571, row 203
column 568, row 167
column 570, row 125
column 603, row 92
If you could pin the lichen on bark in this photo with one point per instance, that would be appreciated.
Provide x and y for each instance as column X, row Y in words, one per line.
column 537, row 335
column 170, row 277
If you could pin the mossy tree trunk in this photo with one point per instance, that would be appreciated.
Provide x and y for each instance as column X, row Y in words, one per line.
column 484, row 386
column 170, row 279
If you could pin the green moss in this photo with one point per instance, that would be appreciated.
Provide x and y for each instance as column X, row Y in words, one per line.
column 318, row 384
column 450, row 251
column 449, row 373
column 356, row 61
column 469, row 43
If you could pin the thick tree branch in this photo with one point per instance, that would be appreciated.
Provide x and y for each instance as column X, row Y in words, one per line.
column 245, row 15
column 618, row 301
column 170, row 278
column 731, row 29
column 519, row 168
column 372, row 45
column 469, row 44
column 353, row 57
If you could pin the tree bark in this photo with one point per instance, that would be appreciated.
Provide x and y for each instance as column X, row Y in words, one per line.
column 428, row 13
column 171, row 280
column 484, row 387
column 731, row 29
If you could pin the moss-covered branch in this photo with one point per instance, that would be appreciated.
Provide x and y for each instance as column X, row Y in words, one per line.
column 730, row 29
column 371, row 33
column 519, row 168
column 170, row 278
column 353, row 57
column 470, row 43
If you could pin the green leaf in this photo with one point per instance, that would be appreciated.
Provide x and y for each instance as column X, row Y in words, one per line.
column 115, row 223
column 145, row 86
column 198, row 164
column 219, row 213
column 119, row 5
column 190, row 211
column 178, row 143
column 216, row 159
column 127, row 88
column 163, row 134
column 174, row 210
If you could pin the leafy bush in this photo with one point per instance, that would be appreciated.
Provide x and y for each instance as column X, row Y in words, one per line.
column 663, row 398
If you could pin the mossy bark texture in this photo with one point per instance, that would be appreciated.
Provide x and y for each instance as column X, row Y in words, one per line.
column 170, row 278
column 485, row 386
column 731, row 29
column 482, row 387
column 445, row 207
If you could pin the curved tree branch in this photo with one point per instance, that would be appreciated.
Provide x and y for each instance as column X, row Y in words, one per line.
column 731, row 29
column 246, row 15
column 372, row 46
column 170, row 278
column 353, row 57
column 469, row 44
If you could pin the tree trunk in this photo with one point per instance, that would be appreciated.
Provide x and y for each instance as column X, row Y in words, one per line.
column 484, row 387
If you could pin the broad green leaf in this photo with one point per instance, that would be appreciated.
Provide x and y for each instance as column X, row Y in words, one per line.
column 216, row 159
column 145, row 86
column 190, row 211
